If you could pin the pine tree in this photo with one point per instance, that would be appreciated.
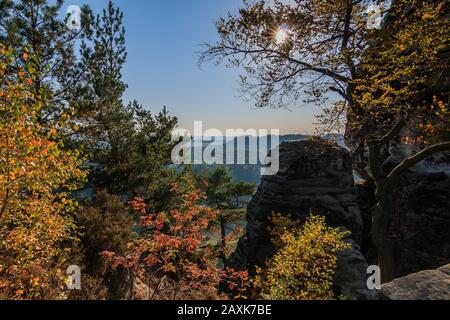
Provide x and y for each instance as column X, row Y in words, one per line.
column 103, row 56
column 225, row 196
column 37, row 26
column 129, row 143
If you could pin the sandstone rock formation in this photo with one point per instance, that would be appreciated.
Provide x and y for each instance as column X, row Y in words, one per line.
column 316, row 177
column 313, row 176
column 425, row 285
column 422, row 223
column 350, row 279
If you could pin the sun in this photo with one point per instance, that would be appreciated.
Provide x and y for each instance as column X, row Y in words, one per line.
column 281, row 36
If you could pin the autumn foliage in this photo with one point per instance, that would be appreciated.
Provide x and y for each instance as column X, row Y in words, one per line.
column 304, row 266
column 36, row 176
column 400, row 73
column 173, row 256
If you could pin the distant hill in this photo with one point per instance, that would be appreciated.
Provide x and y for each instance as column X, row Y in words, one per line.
column 249, row 172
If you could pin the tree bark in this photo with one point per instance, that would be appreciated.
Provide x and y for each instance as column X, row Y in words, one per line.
column 382, row 212
column 382, row 215
column 223, row 234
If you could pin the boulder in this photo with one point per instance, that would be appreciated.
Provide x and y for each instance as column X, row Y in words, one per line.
column 425, row 285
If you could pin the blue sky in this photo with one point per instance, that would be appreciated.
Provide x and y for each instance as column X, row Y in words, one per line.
column 162, row 40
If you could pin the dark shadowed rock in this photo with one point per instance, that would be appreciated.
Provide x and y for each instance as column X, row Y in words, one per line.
column 421, row 222
column 350, row 279
column 421, row 225
column 425, row 285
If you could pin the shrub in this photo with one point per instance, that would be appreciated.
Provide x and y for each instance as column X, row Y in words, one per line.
column 304, row 266
column 106, row 224
column 36, row 177
column 172, row 256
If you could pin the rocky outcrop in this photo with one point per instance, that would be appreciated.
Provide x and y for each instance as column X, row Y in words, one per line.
column 425, row 285
column 316, row 177
column 313, row 177
column 420, row 226
column 422, row 222
column 350, row 279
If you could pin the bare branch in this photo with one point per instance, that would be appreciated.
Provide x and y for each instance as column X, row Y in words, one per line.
column 421, row 156
column 399, row 125
column 340, row 92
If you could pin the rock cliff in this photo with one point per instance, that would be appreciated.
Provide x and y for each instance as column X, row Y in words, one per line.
column 316, row 177
column 421, row 226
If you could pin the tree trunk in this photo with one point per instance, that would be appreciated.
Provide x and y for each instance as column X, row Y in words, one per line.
column 382, row 214
column 223, row 234
column 120, row 283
